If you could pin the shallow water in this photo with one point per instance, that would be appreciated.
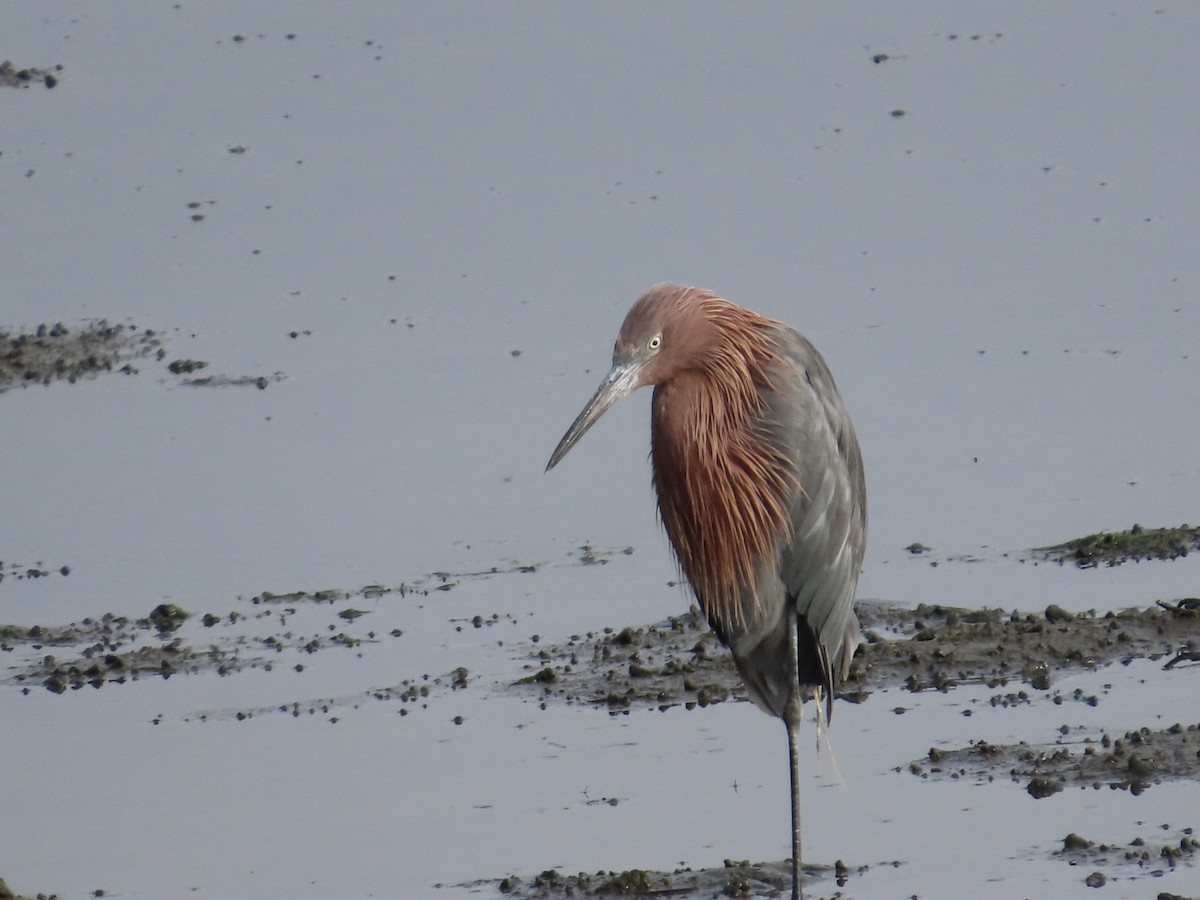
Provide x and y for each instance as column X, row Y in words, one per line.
column 1003, row 280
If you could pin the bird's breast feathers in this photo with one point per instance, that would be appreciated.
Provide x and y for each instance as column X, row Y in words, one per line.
column 723, row 494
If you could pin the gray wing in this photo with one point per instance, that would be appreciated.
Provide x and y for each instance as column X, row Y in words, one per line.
column 814, row 571
column 820, row 564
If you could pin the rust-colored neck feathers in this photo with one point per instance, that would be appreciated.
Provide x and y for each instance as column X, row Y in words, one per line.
column 723, row 486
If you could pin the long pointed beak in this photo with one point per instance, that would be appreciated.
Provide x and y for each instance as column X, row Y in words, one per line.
column 619, row 382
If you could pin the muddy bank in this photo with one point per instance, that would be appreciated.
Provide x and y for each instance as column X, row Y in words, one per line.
column 677, row 662
column 735, row 878
column 264, row 632
column 680, row 661
column 1112, row 548
column 1133, row 760
column 112, row 650
column 1144, row 856
column 1098, row 864
column 1020, row 654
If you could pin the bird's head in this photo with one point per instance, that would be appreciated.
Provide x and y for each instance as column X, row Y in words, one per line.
column 664, row 333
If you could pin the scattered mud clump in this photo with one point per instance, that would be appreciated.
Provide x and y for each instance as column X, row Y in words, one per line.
column 105, row 650
column 56, row 352
column 12, row 76
column 1153, row 856
column 262, row 632
column 1039, row 788
column 25, row 572
column 186, row 366
column 1133, row 762
column 1115, row 547
column 115, row 650
column 681, row 662
column 60, row 352
column 167, row 617
column 673, row 662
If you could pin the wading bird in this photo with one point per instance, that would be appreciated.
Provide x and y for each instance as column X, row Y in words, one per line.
column 760, row 489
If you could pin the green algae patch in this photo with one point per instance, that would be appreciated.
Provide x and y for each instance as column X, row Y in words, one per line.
column 1111, row 548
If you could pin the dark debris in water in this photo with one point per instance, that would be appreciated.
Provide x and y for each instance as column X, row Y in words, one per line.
column 24, row 76
column 6, row 893
column 1111, row 548
column 409, row 696
column 262, row 382
column 30, row 572
column 439, row 581
column 681, row 662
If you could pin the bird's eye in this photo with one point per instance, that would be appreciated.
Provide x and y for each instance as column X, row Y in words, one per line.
column 655, row 342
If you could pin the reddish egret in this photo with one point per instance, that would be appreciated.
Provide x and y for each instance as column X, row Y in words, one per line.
column 760, row 488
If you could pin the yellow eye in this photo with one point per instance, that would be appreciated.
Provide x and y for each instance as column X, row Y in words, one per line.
column 655, row 342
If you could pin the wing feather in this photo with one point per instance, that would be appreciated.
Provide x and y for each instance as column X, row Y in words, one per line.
column 819, row 563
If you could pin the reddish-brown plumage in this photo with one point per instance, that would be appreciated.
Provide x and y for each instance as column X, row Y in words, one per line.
column 722, row 489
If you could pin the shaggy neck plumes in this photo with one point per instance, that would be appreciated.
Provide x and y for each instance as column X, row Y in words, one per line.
column 722, row 487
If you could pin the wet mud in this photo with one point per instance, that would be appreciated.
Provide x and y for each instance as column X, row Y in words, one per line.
column 1019, row 655
column 1099, row 862
column 109, row 650
column 1142, row 856
column 112, row 650
column 735, row 878
column 264, row 632
column 1112, row 548
column 57, row 352
column 681, row 662
column 1131, row 761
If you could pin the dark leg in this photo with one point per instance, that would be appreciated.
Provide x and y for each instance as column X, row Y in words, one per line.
column 791, row 718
